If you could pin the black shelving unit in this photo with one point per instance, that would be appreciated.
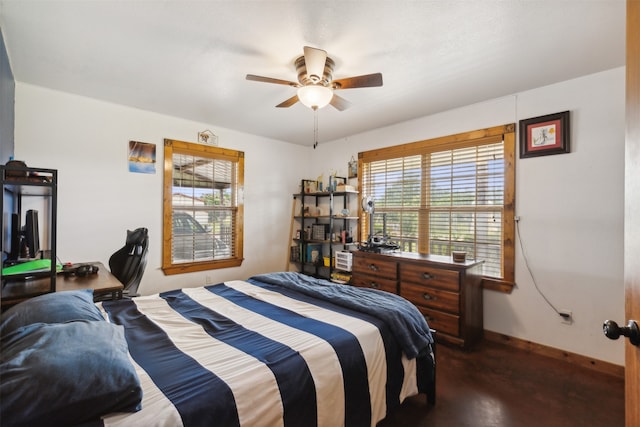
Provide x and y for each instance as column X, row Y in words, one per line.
column 19, row 184
column 322, row 233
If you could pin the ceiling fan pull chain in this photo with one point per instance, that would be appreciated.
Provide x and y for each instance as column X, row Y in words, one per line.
column 315, row 127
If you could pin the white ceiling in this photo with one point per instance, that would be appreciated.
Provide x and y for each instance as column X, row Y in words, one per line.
column 189, row 58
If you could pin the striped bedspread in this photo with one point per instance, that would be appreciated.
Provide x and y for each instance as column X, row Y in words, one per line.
column 249, row 354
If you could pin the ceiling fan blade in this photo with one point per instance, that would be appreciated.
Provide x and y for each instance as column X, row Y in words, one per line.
column 368, row 80
column 271, row 80
column 314, row 60
column 339, row 103
column 289, row 102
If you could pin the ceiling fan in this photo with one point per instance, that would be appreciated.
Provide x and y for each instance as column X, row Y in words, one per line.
column 315, row 81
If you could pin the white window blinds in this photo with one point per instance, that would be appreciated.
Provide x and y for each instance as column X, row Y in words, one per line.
column 465, row 202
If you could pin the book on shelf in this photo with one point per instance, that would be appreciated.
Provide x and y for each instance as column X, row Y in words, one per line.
column 314, row 254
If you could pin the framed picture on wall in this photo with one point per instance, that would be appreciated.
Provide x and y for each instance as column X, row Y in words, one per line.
column 142, row 157
column 545, row 135
column 353, row 168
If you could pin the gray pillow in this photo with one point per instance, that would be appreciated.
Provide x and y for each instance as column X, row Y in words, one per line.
column 66, row 374
column 55, row 307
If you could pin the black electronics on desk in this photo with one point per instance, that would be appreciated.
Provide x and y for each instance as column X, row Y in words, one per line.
column 80, row 270
column 25, row 241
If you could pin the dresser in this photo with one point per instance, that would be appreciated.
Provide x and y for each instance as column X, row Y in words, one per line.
column 447, row 293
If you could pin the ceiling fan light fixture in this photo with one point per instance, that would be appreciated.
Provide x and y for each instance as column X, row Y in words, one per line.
column 315, row 96
column 315, row 82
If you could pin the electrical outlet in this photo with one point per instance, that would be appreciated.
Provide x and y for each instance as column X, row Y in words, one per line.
column 207, row 280
column 566, row 315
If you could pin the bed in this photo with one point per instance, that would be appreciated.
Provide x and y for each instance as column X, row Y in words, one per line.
column 280, row 349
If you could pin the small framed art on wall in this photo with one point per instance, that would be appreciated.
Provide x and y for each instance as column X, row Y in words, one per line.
column 545, row 135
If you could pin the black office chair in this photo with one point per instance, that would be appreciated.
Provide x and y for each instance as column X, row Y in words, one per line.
column 129, row 262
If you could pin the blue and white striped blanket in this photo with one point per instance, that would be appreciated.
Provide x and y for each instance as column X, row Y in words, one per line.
column 409, row 325
column 255, row 354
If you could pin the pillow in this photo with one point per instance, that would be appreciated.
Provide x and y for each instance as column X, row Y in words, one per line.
column 65, row 374
column 55, row 307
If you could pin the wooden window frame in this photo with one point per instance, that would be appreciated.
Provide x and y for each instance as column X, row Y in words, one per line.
column 172, row 147
column 462, row 140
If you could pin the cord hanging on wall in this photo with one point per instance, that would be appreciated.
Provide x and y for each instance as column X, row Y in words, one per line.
column 526, row 263
column 207, row 137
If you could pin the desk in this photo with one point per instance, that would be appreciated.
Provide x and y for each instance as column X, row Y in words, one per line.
column 102, row 283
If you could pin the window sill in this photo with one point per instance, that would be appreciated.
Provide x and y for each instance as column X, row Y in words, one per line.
column 498, row 285
column 201, row 266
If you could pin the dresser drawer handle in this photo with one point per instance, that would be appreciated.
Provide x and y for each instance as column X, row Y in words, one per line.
column 429, row 297
column 373, row 267
column 428, row 276
column 374, row 285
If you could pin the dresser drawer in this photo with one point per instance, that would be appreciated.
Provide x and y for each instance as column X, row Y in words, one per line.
column 442, row 322
column 387, row 269
column 431, row 297
column 430, row 276
column 374, row 282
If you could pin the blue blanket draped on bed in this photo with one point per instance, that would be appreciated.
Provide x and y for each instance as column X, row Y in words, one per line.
column 403, row 317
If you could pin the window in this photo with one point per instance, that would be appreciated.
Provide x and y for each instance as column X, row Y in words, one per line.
column 455, row 193
column 203, row 207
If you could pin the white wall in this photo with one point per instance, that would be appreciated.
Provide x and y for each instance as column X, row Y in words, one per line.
column 98, row 198
column 570, row 205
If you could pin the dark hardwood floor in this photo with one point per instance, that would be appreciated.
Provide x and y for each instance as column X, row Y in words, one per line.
column 497, row 385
